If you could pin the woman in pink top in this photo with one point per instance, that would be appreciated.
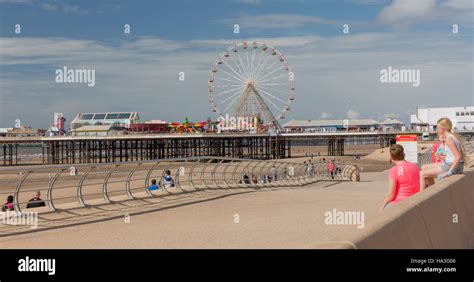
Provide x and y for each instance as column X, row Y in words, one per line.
column 404, row 178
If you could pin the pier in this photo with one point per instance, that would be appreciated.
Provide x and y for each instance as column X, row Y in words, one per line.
column 110, row 149
column 124, row 148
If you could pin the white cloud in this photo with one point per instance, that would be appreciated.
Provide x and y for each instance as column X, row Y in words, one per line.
column 48, row 7
column 325, row 115
column 71, row 8
column 402, row 13
column 278, row 21
column 153, row 44
column 458, row 4
column 251, row 2
column 351, row 114
column 16, row 2
column 290, row 41
column 74, row 9
column 364, row 2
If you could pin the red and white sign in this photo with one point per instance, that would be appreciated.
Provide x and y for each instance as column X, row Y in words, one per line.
column 410, row 147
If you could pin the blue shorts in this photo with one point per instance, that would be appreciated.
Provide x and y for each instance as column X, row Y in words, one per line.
column 457, row 170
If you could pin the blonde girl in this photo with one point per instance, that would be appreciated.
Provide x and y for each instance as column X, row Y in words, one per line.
column 454, row 152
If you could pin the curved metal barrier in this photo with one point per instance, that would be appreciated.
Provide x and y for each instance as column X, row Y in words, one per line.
column 425, row 158
column 82, row 185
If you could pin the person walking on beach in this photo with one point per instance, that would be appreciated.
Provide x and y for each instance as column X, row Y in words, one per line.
column 454, row 156
column 273, row 172
column 404, row 178
column 330, row 167
column 254, row 179
column 8, row 206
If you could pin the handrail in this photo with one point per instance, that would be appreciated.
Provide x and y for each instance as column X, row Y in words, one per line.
column 16, row 201
column 80, row 198
column 50, row 190
column 225, row 173
column 128, row 189
column 104, row 185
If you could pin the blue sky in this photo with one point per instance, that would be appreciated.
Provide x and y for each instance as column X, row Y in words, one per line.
column 337, row 75
column 176, row 20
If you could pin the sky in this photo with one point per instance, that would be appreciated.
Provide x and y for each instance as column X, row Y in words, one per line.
column 337, row 74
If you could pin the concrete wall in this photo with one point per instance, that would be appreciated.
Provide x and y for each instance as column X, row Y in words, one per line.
column 424, row 221
column 428, row 219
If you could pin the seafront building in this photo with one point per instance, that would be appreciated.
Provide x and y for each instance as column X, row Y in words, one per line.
column 425, row 119
column 330, row 125
column 102, row 124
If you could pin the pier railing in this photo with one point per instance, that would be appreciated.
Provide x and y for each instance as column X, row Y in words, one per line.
column 90, row 184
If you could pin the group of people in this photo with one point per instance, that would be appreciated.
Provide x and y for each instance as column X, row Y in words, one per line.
column 246, row 179
column 309, row 167
column 405, row 179
column 264, row 178
column 167, row 180
column 34, row 202
column 331, row 167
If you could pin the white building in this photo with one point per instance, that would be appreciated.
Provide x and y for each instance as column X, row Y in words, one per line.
column 5, row 131
column 392, row 124
column 98, row 119
column 94, row 130
column 333, row 125
column 426, row 118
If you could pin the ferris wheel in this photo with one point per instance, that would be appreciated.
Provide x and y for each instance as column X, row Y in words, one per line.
column 252, row 79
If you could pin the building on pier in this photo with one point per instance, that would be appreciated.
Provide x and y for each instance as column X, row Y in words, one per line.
column 95, row 130
column 4, row 131
column 116, row 119
column 24, row 131
column 331, row 126
column 392, row 124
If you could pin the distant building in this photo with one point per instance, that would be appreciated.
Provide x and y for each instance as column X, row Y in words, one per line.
column 57, row 129
column 153, row 126
column 117, row 120
column 53, row 131
column 335, row 125
column 392, row 124
column 94, row 130
column 25, row 131
column 102, row 124
column 4, row 131
column 58, row 123
column 426, row 118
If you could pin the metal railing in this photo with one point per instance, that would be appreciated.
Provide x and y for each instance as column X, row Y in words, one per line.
column 425, row 158
column 85, row 185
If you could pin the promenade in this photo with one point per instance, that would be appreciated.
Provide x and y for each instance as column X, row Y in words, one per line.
column 267, row 218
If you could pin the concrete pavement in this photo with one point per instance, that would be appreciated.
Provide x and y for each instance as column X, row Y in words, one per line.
column 267, row 218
